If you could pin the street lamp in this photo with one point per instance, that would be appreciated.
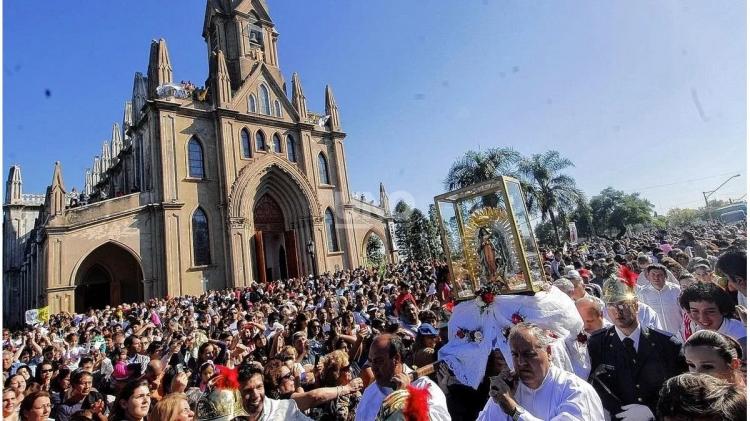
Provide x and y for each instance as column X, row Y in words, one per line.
column 707, row 194
column 311, row 251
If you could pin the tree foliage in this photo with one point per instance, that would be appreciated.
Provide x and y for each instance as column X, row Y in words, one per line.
column 678, row 216
column 613, row 211
column 547, row 189
column 375, row 250
column 401, row 216
column 418, row 241
column 478, row 166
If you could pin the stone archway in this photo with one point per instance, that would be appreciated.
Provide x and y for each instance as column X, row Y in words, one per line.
column 108, row 275
column 283, row 183
column 373, row 249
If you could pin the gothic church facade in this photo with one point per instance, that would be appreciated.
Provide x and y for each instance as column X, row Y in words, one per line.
column 200, row 188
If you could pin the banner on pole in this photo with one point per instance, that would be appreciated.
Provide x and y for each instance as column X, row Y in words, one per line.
column 573, row 232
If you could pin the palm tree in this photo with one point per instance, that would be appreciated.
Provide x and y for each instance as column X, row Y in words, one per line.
column 477, row 166
column 547, row 189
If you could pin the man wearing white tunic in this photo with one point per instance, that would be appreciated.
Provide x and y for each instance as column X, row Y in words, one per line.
column 544, row 392
column 386, row 360
column 664, row 298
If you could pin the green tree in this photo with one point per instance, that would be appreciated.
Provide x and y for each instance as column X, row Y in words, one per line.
column 679, row 217
column 613, row 211
column 433, row 232
column 477, row 166
column 547, row 189
column 545, row 234
column 418, row 236
column 583, row 218
column 401, row 215
column 375, row 250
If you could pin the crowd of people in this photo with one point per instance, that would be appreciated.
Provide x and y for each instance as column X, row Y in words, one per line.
column 664, row 327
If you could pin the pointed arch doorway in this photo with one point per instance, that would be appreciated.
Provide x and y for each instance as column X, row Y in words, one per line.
column 275, row 245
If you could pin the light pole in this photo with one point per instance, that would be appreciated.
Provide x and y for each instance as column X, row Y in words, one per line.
column 311, row 250
column 707, row 194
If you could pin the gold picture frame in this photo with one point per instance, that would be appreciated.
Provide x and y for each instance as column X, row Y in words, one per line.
column 488, row 239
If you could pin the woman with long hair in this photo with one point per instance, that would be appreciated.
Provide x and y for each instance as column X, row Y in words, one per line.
column 133, row 402
column 17, row 383
column 337, row 373
column 60, row 385
column 36, row 407
column 43, row 377
column 173, row 407
column 712, row 353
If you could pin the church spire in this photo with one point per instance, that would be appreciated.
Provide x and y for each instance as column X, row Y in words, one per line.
column 140, row 95
column 332, row 110
column 56, row 200
column 13, row 185
column 220, row 75
column 244, row 32
column 116, row 142
column 298, row 98
column 384, row 202
column 159, row 67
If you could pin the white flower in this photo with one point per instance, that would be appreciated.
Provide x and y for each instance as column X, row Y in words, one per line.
column 478, row 336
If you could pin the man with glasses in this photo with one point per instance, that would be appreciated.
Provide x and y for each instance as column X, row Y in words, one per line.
column 629, row 361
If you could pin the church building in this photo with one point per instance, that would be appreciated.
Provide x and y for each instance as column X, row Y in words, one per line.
column 198, row 188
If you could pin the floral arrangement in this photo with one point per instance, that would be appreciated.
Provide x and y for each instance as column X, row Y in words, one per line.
column 486, row 295
column 515, row 319
column 470, row 335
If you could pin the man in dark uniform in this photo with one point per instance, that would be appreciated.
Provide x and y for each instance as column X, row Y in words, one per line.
column 630, row 362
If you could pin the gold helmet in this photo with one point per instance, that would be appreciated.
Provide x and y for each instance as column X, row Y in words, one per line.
column 411, row 403
column 616, row 289
column 222, row 400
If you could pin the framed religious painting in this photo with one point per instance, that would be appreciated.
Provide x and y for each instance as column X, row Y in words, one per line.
column 488, row 239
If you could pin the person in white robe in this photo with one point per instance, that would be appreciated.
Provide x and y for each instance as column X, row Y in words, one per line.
column 391, row 374
column 540, row 390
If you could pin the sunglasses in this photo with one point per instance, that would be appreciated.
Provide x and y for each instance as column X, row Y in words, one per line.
column 286, row 376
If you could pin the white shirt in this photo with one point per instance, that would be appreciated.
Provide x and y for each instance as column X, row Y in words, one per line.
column 730, row 327
column 635, row 336
column 561, row 396
column 666, row 303
column 741, row 299
column 646, row 317
column 279, row 410
column 374, row 395
column 642, row 280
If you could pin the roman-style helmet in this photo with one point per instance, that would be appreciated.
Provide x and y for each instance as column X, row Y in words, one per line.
column 222, row 400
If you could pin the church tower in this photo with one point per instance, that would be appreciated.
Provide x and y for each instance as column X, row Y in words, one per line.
column 243, row 31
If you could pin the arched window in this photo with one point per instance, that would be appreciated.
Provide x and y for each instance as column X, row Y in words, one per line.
column 333, row 242
column 323, row 169
column 277, row 108
column 291, row 152
column 195, row 159
column 260, row 141
column 251, row 107
column 276, row 143
column 201, row 247
column 245, row 138
column 265, row 100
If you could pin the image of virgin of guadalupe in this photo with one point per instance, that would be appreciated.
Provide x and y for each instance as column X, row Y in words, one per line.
column 493, row 257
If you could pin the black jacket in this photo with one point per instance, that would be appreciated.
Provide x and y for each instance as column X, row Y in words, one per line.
column 638, row 381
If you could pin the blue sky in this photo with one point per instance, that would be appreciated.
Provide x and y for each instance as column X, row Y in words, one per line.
column 642, row 95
